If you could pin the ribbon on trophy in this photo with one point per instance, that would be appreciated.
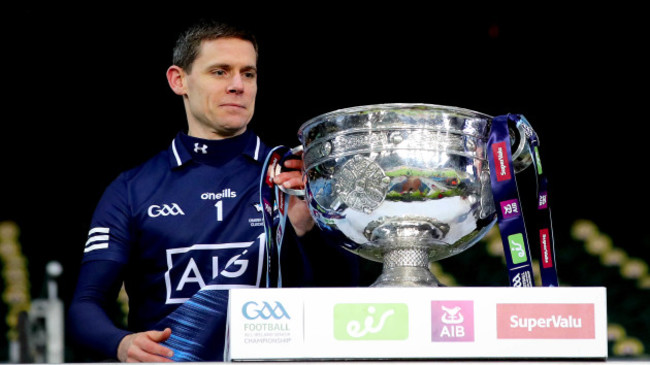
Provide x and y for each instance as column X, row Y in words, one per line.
column 274, row 226
column 510, row 216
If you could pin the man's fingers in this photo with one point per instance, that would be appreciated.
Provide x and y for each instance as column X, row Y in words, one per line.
column 156, row 349
column 291, row 179
column 293, row 164
column 138, row 354
column 160, row 336
column 293, row 183
column 146, row 347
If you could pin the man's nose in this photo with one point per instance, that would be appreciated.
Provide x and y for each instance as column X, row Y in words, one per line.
column 236, row 85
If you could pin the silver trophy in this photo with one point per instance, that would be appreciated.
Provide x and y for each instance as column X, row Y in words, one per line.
column 407, row 184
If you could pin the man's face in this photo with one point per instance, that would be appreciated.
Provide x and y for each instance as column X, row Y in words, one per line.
column 221, row 88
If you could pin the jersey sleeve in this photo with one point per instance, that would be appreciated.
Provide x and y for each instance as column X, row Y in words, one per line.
column 89, row 319
column 106, row 252
column 109, row 236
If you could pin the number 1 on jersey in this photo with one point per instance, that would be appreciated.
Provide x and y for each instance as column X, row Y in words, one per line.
column 219, row 206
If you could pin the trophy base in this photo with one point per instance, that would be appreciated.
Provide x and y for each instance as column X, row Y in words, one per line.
column 406, row 276
column 406, row 267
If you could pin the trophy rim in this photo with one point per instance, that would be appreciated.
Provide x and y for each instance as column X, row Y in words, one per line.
column 388, row 106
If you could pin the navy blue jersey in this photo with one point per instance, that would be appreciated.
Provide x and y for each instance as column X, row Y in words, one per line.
column 188, row 219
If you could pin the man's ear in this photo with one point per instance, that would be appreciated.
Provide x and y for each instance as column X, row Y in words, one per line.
column 176, row 79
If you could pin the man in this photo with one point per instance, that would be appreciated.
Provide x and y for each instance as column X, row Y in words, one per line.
column 190, row 218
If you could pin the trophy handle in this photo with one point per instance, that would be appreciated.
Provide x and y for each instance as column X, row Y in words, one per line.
column 519, row 133
column 292, row 154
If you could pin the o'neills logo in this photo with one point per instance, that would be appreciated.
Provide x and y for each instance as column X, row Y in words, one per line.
column 545, row 321
column 501, row 163
column 544, row 241
column 225, row 193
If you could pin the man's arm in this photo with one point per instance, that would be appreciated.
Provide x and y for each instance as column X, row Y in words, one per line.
column 89, row 322
column 91, row 326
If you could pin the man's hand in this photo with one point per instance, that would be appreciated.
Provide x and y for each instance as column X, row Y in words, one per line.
column 145, row 347
column 298, row 213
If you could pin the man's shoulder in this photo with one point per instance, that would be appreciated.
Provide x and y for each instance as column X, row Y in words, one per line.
column 156, row 165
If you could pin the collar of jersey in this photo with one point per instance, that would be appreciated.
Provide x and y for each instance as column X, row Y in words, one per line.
column 179, row 155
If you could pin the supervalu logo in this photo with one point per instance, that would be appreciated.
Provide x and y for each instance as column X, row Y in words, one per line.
column 545, row 320
column 501, row 162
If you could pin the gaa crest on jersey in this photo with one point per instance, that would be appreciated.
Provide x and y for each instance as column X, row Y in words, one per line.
column 212, row 267
column 164, row 210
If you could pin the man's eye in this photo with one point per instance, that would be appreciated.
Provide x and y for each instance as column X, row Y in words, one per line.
column 250, row 75
column 219, row 72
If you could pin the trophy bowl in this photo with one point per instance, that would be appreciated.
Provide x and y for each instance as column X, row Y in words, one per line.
column 406, row 184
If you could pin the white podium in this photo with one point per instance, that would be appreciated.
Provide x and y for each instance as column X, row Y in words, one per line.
column 417, row 323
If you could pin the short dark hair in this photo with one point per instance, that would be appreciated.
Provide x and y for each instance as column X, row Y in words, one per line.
column 189, row 42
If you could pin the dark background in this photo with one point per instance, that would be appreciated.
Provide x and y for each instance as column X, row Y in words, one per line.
column 85, row 97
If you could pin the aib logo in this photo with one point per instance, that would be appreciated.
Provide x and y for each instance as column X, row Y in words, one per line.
column 377, row 321
column 265, row 310
column 452, row 321
column 543, row 200
column 510, row 208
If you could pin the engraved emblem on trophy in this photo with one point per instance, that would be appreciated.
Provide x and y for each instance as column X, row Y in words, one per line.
column 407, row 184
